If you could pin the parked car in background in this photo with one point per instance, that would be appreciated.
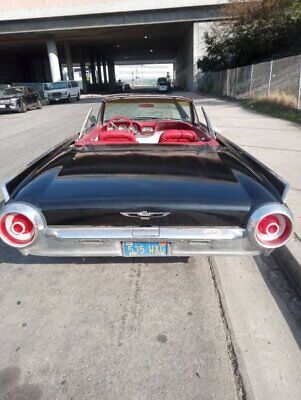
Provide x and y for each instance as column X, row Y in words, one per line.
column 19, row 99
column 118, row 87
column 62, row 91
column 38, row 86
column 145, row 177
column 4, row 86
column 127, row 87
column 163, row 85
column 122, row 87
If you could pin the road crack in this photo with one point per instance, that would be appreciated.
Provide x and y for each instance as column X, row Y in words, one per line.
column 239, row 384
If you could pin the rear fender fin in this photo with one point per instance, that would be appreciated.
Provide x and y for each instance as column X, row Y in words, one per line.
column 279, row 185
column 9, row 185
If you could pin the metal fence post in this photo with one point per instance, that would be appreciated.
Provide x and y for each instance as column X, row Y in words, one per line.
column 251, row 79
column 228, row 83
column 236, row 82
column 270, row 78
column 299, row 93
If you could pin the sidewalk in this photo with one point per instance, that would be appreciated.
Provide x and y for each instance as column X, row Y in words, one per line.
column 273, row 141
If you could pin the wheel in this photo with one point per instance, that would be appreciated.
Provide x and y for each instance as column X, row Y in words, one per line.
column 69, row 99
column 39, row 104
column 78, row 97
column 22, row 107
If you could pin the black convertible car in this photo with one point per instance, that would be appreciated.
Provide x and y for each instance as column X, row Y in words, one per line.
column 145, row 177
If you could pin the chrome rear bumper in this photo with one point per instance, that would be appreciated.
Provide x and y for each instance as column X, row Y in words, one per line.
column 107, row 241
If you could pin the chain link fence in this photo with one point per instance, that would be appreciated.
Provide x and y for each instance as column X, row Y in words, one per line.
column 280, row 77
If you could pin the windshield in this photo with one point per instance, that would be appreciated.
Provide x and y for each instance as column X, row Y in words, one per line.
column 162, row 81
column 147, row 109
column 57, row 85
column 11, row 91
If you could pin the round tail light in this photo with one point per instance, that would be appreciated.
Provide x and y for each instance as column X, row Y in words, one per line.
column 271, row 226
column 17, row 229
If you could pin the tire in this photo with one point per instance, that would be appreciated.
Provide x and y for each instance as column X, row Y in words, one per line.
column 78, row 97
column 69, row 99
column 22, row 107
column 39, row 104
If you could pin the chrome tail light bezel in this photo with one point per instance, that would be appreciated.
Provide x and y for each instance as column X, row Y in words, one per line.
column 29, row 211
column 270, row 209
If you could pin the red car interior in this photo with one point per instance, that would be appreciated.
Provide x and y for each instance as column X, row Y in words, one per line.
column 117, row 137
column 173, row 132
column 178, row 136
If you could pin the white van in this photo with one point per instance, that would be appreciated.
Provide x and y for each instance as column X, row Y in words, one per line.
column 62, row 91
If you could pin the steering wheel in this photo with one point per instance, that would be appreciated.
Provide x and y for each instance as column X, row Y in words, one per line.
column 120, row 118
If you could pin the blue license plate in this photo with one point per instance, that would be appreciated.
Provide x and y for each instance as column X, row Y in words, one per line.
column 145, row 249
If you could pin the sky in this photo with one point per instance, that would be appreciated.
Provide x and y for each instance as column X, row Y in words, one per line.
column 142, row 73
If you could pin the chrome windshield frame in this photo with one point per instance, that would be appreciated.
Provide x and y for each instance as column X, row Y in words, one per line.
column 101, row 114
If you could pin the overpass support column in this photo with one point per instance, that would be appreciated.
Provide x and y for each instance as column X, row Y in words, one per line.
column 53, row 61
column 68, row 61
column 92, row 66
column 104, row 64
column 198, row 49
column 99, row 74
column 83, row 69
column 111, row 70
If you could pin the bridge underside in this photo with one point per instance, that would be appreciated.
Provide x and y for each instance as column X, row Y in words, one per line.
column 35, row 50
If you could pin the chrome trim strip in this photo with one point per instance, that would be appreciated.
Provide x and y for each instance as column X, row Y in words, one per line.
column 107, row 241
column 166, row 233
column 81, row 133
column 209, row 125
column 4, row 190
column 52, row 246
column 144, row 214
column 286, row 190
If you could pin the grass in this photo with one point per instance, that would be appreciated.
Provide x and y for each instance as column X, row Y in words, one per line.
column 279, row 105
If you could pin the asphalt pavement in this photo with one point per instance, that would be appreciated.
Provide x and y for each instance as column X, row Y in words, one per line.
column 199, row 328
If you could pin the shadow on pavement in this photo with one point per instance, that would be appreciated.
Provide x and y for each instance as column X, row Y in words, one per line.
column 210, row 103
column 83, row 100
column 283, row 292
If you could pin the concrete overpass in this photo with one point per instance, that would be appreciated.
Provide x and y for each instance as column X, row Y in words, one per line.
column 37, row 37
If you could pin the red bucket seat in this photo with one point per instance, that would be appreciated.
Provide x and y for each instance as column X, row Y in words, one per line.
column 178, row 136
column 117, row 137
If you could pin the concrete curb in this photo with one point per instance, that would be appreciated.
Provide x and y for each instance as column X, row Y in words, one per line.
column 289, row 260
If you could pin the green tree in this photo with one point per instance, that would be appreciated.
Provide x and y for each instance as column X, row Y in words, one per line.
column 252, row 30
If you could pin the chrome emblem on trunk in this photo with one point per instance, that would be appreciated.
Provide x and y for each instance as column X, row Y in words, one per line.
column 144, row 214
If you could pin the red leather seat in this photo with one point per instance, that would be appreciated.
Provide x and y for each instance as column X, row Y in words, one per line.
column 117, row 137
column 178, row 136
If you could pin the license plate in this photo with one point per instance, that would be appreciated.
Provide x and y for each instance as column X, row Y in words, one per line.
column 2, row 105
column 145, row 249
